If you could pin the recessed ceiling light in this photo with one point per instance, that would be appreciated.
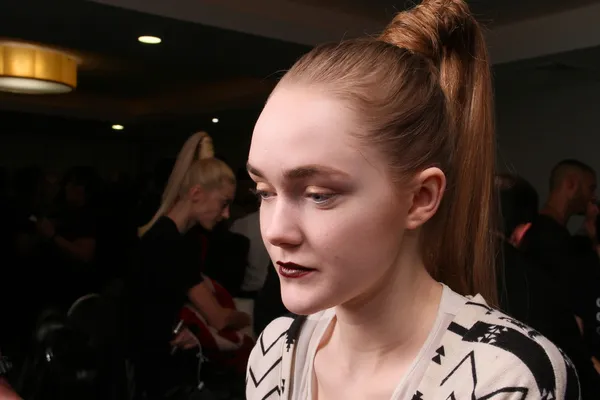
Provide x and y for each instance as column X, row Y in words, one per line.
column 118, row 127
column 215, row 120
column 150, row 39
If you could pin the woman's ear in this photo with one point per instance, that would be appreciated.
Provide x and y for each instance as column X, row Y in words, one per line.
column 196, row 193
column 428, row 189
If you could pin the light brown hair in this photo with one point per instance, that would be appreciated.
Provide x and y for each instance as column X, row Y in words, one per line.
column 195, row 165
column 423, row 91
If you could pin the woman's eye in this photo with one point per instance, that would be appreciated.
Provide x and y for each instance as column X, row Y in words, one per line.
column 262, row 194
column 321, row 198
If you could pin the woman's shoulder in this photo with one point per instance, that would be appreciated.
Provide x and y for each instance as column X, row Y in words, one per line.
column 264, row 371
column 274, row 335
column 491, row 352
column 160, row 241
column 164, row 227
column 286, row 331
column 270, row 362
column 281, row 335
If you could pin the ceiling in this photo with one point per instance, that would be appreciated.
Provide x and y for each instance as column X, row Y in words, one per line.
column 577, row 67
column 493, row 11
column 201, row 71
column 197, row 70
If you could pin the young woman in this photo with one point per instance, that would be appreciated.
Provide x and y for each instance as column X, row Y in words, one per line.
column 168, row 274
column 374, row 161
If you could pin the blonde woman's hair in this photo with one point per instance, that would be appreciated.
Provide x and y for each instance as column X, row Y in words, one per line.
column 195, row 165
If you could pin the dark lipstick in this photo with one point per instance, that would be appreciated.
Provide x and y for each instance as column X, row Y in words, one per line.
column 292, row 271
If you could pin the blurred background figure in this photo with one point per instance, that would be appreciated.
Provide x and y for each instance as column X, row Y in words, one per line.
column 530, row 294
column 169, row 274
column 549, row 243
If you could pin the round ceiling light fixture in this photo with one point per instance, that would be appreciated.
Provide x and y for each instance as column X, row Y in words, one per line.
column 215, row 120
column 146, row 39
column 118, row 127
column 31, row 69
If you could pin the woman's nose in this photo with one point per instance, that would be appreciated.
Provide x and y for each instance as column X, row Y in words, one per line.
column 279, row 224
column 226, row 213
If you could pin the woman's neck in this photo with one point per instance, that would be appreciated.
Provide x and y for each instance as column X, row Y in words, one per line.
column 180, row 214
column 396, row 318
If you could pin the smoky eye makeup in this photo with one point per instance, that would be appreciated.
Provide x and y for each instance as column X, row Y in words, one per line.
column 321, row 198
column 261, row 193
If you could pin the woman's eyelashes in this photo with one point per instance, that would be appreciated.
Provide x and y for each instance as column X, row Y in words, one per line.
column 262, row 194
column 319, row 198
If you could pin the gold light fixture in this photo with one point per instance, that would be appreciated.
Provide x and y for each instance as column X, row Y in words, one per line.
column 32, row 69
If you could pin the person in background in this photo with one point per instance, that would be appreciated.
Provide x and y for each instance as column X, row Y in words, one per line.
column 526, row 291
column 257, row 265
column 586, row 238
column 518, row 206
column 72, row 227
column 258, row 257
column 168, row 275
column 587, row 249
column 374, row 160
column 226, row 257
column 245, row 200
column 549, row 244
column 67, row 239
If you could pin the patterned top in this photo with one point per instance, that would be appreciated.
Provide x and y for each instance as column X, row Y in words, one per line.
column 473, row 353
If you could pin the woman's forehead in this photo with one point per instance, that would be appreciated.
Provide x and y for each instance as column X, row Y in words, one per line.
column 304, row 112
column 304, row 127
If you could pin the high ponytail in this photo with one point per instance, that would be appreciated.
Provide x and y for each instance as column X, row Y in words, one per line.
column 445, row 32
column 423, row 91
column 195, row 164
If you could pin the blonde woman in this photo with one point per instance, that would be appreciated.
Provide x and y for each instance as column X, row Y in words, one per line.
column 198, row 192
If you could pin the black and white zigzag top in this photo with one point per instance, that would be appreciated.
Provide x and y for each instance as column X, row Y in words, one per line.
column 473, row 353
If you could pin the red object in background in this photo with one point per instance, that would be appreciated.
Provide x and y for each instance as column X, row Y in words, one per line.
column 227, row 348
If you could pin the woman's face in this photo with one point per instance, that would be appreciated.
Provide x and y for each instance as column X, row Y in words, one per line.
column 212, row 206
column 328, row 203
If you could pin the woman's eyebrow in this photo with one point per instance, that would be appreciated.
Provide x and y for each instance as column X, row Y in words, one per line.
column 302, row 172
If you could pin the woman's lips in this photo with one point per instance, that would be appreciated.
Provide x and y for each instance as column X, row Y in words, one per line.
column 293, row 271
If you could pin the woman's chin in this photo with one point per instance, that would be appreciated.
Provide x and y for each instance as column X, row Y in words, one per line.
column 206, row 225
column 305, row 304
